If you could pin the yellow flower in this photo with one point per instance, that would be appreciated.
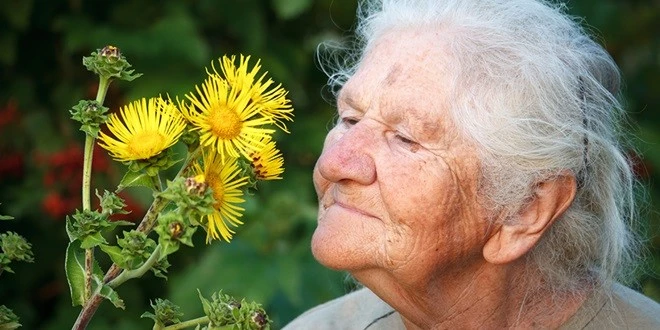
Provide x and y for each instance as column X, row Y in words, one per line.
column 224, row 114
column 267, row 163
column 146, row 129
column 223, row 179
column 271, row 102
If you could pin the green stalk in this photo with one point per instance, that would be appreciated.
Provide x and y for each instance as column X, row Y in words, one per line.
column 89, row 149
column 129, row 274
column 187, row 324
column 145, row 226
column 86, row 186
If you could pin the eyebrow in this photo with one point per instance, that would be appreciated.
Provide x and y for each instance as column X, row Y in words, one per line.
column 349, row 98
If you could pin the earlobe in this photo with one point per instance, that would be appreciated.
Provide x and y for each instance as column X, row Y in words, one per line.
column 513, row 240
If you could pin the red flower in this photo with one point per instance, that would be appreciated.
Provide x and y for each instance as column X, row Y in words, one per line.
column 55, row 205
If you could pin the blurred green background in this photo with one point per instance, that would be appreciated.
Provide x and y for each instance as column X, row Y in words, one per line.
column 42, row 43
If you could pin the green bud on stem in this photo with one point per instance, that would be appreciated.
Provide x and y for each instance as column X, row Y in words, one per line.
column 109, row 63
column 90, row 114
column 165, row 312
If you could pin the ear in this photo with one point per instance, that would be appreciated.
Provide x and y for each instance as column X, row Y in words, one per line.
column 512, row 240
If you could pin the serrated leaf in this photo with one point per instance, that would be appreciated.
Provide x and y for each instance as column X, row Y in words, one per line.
column 136, row 179
column 75, row 272
column 91, row 241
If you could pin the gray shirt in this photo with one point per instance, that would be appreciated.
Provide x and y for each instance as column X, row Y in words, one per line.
column 623, row 308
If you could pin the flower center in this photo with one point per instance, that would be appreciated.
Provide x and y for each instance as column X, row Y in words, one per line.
column 224, row 122
column 146, row 144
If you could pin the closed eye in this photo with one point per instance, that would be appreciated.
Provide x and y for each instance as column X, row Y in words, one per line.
column 349, row 121
column 408, row 143
column 404, row 139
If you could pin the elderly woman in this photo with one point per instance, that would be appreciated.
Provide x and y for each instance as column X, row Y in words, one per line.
column 476, row 177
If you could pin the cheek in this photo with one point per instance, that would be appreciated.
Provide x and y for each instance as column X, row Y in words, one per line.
column 432, row 222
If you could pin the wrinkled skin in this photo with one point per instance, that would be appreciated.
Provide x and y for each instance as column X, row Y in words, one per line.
column 396, row 184
column 398, row 191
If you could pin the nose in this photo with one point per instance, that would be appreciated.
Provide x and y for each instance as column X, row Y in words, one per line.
column 349, row 155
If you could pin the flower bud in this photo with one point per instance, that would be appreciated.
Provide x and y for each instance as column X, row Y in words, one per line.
column 16, row 247
column 109, row 63
column 111, row 203
column 90, row 114
column 165, row 312
column 259, row 319
column 110, row 52
column 196, row 185
column 176, row 229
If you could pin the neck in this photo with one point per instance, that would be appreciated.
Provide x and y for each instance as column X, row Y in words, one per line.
column 492, row 296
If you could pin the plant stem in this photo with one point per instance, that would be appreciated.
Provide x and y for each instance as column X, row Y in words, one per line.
column 187, row 324
column 86, row 186
column 147, row 223
column 89, row 149
column 129, row 274
column 87, row 172
column 91, row 305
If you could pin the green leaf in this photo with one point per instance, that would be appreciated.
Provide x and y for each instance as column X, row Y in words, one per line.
column 6, row 217
column 148, row 315
column 93, row 240
column 70, row 230
column 8, row 320
column 75, row 272
column 4, row 263
column 206, row 305
column 114, row 224
column 109, row 293
column 136, row 179
column 115, row 254
column 10, row 326
column 168, row 247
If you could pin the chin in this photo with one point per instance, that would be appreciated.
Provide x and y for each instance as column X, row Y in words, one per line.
column 327, row 250
column 342, row 246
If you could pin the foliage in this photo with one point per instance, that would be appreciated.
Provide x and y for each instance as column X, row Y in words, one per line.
column 269, row 260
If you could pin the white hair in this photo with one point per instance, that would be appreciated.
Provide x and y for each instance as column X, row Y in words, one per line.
column 538, row 97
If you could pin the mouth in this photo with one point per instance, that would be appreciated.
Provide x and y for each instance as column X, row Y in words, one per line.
column 353, row 209
column 335, row 199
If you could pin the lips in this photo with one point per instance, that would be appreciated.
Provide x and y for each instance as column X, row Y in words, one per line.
column 345, row 199
column 354, row 209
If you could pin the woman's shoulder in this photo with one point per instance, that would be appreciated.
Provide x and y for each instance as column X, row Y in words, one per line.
column 636, row 310
column 356, row 310
column 623, row 307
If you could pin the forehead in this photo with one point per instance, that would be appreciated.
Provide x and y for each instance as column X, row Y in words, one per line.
column 404, row 79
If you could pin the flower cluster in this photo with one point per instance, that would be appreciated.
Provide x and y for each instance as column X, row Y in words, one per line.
column 229, row 120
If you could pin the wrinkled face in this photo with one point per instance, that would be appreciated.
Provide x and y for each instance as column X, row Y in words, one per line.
column 396, row 182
